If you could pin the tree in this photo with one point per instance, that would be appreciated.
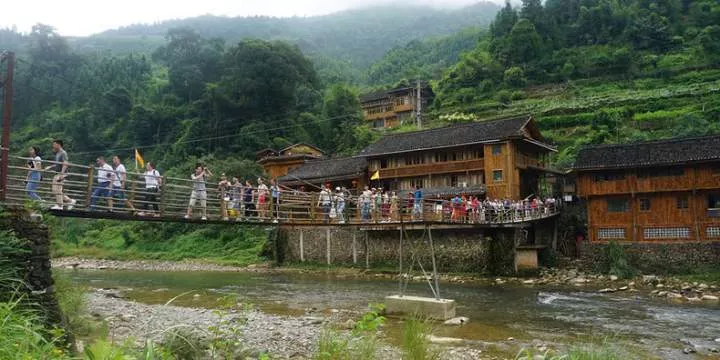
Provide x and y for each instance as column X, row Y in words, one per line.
column 343, row 113
column 523, row 44
column 515, row 77
column 504, row 21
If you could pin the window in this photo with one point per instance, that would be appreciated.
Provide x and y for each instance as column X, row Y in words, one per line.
column 415, row 182
column 713, row 201
column 712, row 231
column 611, row 233
column 497, row 149
column 379, row 123
column 414, row 160
column 661, row 172
column 617, row 205
column 682, row 202
column 497, row 176
column 383, row 163
column 609, row 176
column 667, row 233
column 454, row 182
column 441, row 157
column 644, row 204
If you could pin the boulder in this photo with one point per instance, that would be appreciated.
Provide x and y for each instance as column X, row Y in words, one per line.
column 613, row 277
column 457, row 321
column 709, row 298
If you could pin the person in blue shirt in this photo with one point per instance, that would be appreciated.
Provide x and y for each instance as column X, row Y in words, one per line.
column 417, row 203
column 275, row 197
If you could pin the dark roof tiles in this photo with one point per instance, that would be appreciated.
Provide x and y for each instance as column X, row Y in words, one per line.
column 345, row 167
column 651, row 153
column 456, row 135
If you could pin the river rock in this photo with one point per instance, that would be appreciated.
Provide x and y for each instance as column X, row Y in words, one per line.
column 579, row 280
column 607, row 290
column 649, row 279
column 613, row 277
column 528, row 282
column 674, row 295
column 703, row 286
column 693, row 299
column 350, row 324
column 624, row 288
column 441, row 340
column 710, row 298
column 659, row 286
column 456, row 321
column 689, row 350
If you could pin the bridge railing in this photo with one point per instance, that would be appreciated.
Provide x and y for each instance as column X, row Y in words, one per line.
column 78, row 189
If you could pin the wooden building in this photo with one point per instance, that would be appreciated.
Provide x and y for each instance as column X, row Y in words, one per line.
column 505, row 158
column 279, row 163
column 655, row 191
column 387, row 109
column 348, row 172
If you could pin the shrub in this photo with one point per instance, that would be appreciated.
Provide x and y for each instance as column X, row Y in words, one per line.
column 616, row 261
column 515, row 77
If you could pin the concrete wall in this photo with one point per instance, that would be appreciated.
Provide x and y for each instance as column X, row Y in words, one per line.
column 456, row 250
column 658, row 257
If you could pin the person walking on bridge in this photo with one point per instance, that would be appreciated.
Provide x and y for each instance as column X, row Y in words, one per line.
column 60, row 167
column 105, row 177
column 34, row 176
column 118, row 185
column 153, row 181
column 199, row 191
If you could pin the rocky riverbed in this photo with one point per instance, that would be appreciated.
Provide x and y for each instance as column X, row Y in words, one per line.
column 283, row 337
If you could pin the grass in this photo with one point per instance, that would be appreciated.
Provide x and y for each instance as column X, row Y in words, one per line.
column 604, row 350
column 332, row 346
column 415, row 343
column 702, row 275
column 22, row 335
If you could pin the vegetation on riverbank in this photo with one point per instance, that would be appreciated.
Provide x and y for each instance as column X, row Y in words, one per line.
column 118, row 240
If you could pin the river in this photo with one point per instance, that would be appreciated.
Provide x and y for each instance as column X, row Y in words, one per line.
column 503, row 318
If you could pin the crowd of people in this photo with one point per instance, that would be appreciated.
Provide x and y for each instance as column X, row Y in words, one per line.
column 243, row 200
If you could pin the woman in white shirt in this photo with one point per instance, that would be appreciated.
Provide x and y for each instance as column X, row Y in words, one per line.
column 32, row 182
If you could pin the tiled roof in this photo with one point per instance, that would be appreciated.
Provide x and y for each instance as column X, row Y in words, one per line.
column 327, row 169
column 456, row 135
column 651, row 153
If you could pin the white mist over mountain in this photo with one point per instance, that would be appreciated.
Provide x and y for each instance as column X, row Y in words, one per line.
column 85, row 17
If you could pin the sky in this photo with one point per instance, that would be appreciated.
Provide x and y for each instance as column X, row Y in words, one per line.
column 86, row 17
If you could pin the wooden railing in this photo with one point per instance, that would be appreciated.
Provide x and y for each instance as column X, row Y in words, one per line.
column 432, row 168
column 80, row 192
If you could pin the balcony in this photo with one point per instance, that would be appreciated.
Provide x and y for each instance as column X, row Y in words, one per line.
column 432, row 168
column 382, row 115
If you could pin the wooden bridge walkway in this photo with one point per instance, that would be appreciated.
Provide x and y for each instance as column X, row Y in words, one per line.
column 136, row 202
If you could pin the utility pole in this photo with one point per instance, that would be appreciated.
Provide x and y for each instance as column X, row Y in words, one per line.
column 7, row 58
column 418, row 111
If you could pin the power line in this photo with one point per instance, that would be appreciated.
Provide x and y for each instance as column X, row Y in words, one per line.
column 213, row 137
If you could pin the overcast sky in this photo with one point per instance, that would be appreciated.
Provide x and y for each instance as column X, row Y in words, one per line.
column 85, row 17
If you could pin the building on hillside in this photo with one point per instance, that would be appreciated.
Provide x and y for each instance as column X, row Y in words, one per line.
column 506, row 159
column 391, row 108
column 348, row 172
column 656, row 191
column 279, row 163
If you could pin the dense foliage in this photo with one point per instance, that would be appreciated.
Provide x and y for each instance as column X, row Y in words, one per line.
column 594, row 71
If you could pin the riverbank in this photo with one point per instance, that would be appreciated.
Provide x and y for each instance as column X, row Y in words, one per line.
column 282, row 337
column 676, row 289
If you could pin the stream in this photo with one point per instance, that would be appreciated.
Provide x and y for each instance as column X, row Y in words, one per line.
column 503, row 318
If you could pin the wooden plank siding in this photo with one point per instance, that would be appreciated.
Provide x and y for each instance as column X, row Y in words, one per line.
column 678, row 205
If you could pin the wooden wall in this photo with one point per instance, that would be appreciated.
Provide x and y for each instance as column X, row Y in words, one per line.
column 664, row 221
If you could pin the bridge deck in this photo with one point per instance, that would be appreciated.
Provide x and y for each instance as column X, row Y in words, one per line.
column 84, row 196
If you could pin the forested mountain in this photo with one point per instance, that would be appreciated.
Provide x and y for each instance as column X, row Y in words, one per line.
column 359, row 36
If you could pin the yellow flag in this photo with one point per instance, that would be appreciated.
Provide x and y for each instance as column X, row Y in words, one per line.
column 375, row 176
column 139, row 161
